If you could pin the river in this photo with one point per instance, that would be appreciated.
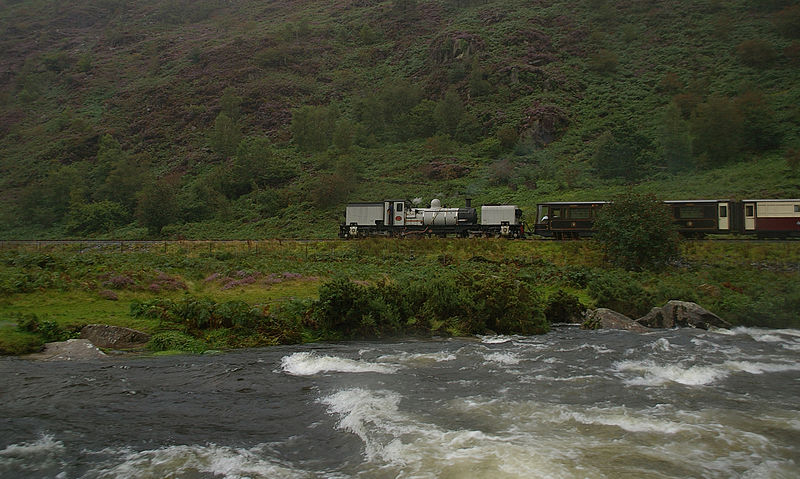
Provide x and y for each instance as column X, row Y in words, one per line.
column 569, row 404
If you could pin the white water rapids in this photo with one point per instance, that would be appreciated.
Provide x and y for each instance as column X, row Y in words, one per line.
column 569, row 404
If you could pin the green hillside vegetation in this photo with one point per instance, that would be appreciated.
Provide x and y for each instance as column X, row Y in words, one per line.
column 211, row 119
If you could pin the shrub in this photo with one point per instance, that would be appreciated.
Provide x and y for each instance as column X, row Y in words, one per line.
column 620, row 292
column 756, row 53
column 563, row 307
column 636, row 232
column 788, row 21
column 48, row 330
column 717, row 130
column 604, row 61
column 15, row 343
column 175, row 341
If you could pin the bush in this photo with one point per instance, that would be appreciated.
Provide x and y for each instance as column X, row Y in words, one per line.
column 175, row 341
column 756, row 53
column 636, row 232
column 49, row 331
column 620, row 292
column 15, row 343
column 563, row 307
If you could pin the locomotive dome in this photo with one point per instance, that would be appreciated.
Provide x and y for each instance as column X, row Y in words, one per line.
column 435, row 203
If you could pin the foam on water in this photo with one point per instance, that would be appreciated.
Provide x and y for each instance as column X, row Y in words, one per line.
column 412, row 447
column 190, row 461
column 309, row 363
column 419, row 358
column 42, row 452
column 505, row 358
column 651, row 373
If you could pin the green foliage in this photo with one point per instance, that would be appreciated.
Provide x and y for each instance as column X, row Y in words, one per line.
column 15, row 343
column 636, row 232
column 620, row 292
column 175, row 341
column 157, row 205
column 716, row 128
column 788, row 21
column 313, row 127
column 563, row 307
column 756, row 53
column 676, row 145
column 445, row 303
column 99, row 217
column 448, row 113
column 49, row 331
column 622, row 153
column 225, row 135
column 603, row 61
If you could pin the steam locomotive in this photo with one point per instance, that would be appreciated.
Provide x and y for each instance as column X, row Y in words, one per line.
column 402, row 218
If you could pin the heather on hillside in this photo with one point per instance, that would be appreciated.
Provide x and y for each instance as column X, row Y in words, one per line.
column 211, row 119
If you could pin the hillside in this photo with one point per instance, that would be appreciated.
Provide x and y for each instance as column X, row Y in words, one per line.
column 212, row 119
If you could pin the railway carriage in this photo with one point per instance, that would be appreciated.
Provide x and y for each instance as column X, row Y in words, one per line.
column 697, row 218
column 771, row 218
column 567, row 219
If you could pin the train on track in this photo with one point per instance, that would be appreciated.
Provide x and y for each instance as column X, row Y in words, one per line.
column 765, row 218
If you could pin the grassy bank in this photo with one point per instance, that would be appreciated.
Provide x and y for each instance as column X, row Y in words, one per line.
column 198, row 296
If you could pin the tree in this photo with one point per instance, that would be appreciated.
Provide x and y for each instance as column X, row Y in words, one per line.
column 716, row 128
column 255, row 164
column 622, row 153
column 100, row 217
column 756, row 53
column 636, row 232
column 448, row 113
column 313, row 126
column 157, row 205
column 760, row 130
column 676, row 145
column 123, row 182
column 226, row 135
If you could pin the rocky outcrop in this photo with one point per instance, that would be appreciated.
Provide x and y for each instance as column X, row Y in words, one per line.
column 71, row 350
column 682, row 314
column 114, row 337
column 604, row 318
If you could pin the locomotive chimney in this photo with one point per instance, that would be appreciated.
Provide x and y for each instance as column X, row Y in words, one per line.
column 469, row 202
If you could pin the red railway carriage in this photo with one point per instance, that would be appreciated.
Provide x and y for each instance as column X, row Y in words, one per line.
column 771, row 218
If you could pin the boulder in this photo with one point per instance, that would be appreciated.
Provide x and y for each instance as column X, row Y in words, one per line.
column 656, row 319
column 604, row 318
column 688, row 314
column 70, row 350
column 114, row 337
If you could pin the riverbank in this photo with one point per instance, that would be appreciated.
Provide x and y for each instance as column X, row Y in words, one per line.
column 196, row 297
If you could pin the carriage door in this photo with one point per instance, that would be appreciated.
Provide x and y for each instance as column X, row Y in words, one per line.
column 749, row 216
column 399, row 214
column 723, row 216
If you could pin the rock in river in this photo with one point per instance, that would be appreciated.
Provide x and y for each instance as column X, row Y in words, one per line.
column 604, row 318
column 682, row 314
column 114, row 337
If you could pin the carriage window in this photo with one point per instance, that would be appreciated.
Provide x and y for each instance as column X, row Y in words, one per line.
column 556, row 212
column 749, row 210
column 399, row 207
column 797, row 208
column 579, row 213
column 691, row 212
column 723, row 211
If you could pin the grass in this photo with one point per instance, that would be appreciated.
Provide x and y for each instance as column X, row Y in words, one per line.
column 751, row 283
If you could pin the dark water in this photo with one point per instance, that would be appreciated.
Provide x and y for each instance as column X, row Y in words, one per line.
column 669, row 404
